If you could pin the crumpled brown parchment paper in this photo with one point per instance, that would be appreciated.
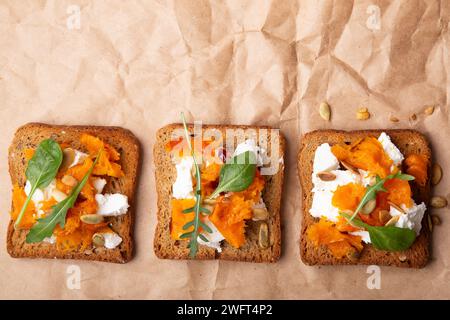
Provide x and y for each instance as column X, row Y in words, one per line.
column 138, row 64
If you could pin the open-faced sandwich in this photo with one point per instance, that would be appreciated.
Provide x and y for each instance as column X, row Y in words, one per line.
column 73, row 190
column 224, row 203
column 365, row 194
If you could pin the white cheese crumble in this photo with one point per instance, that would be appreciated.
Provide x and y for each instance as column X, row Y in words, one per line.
column 324, row 159
column 50, row 240
column 365, row 237
column 412, row 219
column 322, row 207
column 214, row 238
column 390, row 148
column 343, row 177
column 112, row 204
column 250, row 145
column 112, row 240
column 79, row 157
column 182, row 188
column 99, row 184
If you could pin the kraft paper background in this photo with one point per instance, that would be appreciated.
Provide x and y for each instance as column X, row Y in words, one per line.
column 138, row 64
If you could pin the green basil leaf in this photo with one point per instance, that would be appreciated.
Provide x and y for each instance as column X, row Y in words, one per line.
column 41, row 169
column 388, row 238
column 44, row 227
column 236, row 175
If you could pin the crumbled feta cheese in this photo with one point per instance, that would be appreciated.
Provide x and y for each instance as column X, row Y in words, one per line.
column 390, row 148
column 50, row 240
column 182, row 188
column 250, row 145
column 324, row 159
column 365, row 237
column 214, row 238
column 322, row 207
column 112, row 240
column 40, row 195
column 99, row 184
column 343, row 177
column 79, row 157
column 366, row 178
column 111, row 204
column 412, row 219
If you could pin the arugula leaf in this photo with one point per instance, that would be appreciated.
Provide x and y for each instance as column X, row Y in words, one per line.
column 371, row 192
column 389, row 238
column 45, row 226
column 236, row 175
column 197, row 209
column 41, row 170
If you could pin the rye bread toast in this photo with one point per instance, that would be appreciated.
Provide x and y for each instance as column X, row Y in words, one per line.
column 408, row 142
column 29, row 136
column 167, row 248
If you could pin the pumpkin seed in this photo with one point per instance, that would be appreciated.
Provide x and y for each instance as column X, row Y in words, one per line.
column 436, row 220
column 438, row 202
column 369, row 206
column 349, row 167
column 209, row 207
column 91, row 218
column 396, row 207
column 260, row 214
column 263, row 235
column 326, row 176
column 392, row 221
column 68, row 180
column 98, row 240
column 362, row 114
column 210, row 201
column 384, row 216
column 393, row 119
column 58, row 195
column 324, row 111
column 68, row 157
column 402, row 258
column 429, row 111
column 436, row 174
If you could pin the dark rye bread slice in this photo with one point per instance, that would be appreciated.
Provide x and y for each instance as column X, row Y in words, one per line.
column 167, row 248
column 29, row 136
column 408, row 142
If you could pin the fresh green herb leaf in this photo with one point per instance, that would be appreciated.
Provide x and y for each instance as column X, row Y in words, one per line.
column 203, row 237
column 389, row 238
column 41, row 170
column 237, row 175
column 371, row 192
column 197, row 209
column 45, row 226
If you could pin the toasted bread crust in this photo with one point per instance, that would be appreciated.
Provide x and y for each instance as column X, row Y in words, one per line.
column 408, row 142
column 29, row 136
column 167, row 248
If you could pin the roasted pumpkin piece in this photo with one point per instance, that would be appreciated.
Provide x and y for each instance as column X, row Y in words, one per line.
column 399, row 192
column 347, row 197
column 105, row 164
column 326, row 233
column 367, row 154
column 417, row 166
column 228, row 217
column 179, row 219
column 18, row 199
